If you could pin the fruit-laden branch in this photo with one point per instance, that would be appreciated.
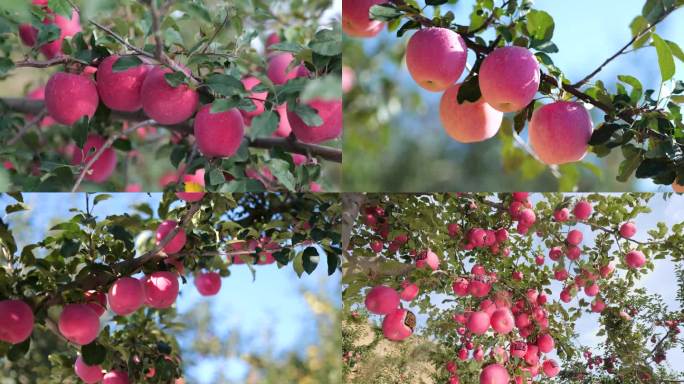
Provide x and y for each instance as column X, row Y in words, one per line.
column 625, row 115
column 126, row 267
column 104, row 147
column 287, row 144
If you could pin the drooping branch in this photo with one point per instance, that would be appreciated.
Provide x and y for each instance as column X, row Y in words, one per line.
column 287, row 144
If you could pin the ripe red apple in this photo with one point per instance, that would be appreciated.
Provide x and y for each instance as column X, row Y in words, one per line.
column 509, row 78
column 258, row 98
column 164, row 103
column 120, row 91
column 494, row 374
column 376, row 246
column 518, row 349
column 208, row 283
column 573, row 252
column 574, row 237
column 427, row 259
column 330, row 111
column 592, row 290
column 97, row 301
column 115, row 377
column 348, row 79
column 560, row 132
column 527, row 217
column 79, row 324
column 635, row 259
column 479, row 288
column 468, row 122
column 409, row 291
column 126, row 296
column 68, row 97
column 478, row 322
column 436, row 58
column 555, row 253
column 550, row 368
column 398, row 325
column 68, row 27
column 582, row 210
column 561, row 215
column 16, row 321
column 161, row 289
column 284, row 127
column 103, row 167
column 219, row 134
column 356, row 20
column 598, row 305
column 177, row 242
column 460, row 286
column 28, row 34
column 560, row 274
column 545, row 343
column 382, row 300
column 90, row 374
column 193, row 186
column 628, row 229
column 502, row 321
column 278, row 66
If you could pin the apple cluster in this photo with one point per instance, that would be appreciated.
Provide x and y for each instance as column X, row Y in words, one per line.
column 513, row 313
column 508, row 78
column 71, row 96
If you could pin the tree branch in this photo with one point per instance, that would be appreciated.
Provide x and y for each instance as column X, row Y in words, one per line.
column 104, row 147
column 287, row 144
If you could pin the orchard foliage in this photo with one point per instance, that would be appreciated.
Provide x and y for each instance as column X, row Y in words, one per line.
column 643, row 125
column 529, row 267
column 127, row 77
column 87, row 264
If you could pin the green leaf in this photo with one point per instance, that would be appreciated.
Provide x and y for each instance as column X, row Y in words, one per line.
column 287, row 47
column 222, row 105
column 101, row 197
column 60, row 7
column 638, row 25
column 326, row 88
column 603, row 134
column 93, row 353
column 17, row 351
column 327, row 42
column 540, row 25
column 215, row 177
column 384, row 12
column 665, row 58
column 310, row 259
column 122, row 145
column 6, row 65
column 308, row 115
column 225, row 85
column 80, row 131
column 435, row 3
column 264, row 124
column 47, row 33
column 175, row 79
column 281, row 170
column 125, row 62
column 676, row 50
column 469, row 91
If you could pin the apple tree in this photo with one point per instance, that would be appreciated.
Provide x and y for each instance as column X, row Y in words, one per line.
column 131, row 267
column 495, row 285
column 210, row 95
column 496, row 80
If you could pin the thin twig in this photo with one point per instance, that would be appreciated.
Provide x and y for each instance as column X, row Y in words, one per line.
column 122, row 40
column 22, row 131
column 104, row 147
column 49, row 63
column 622, row 50
column 216, row 32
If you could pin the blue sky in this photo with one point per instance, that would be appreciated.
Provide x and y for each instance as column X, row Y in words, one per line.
column 245, row 306
column 586, row 33
column 661, row 281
